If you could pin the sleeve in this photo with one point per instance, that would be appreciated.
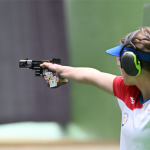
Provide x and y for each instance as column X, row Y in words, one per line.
column 119, row 88
column 125, row 93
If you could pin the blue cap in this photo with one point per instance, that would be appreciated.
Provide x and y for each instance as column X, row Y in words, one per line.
column 115, row 51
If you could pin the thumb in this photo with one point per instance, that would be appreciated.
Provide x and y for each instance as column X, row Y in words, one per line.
column 43, row 65
column 50, row 66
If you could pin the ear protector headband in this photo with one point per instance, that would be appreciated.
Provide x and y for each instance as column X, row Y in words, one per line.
column 129, row 60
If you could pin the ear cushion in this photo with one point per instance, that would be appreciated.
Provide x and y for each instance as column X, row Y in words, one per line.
column 130, row 64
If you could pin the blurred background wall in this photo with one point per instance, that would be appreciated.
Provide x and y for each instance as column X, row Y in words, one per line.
column 34, row 30
column 77, row 31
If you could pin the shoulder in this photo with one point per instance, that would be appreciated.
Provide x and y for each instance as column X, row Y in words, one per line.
column 127, row 94
column 120, row 89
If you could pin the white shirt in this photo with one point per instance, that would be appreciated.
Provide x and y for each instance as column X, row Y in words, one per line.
column 135, row 126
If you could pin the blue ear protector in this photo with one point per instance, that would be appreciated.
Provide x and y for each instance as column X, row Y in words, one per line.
column 129, row 60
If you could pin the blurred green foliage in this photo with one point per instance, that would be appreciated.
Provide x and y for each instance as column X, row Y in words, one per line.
column 93, row 27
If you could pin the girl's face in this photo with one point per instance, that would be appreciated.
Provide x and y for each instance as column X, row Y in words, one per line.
column 118, row 60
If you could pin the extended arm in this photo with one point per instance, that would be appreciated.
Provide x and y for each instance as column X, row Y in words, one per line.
column 82, row 75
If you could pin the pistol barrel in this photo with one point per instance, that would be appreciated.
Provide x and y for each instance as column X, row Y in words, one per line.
column 25, row 63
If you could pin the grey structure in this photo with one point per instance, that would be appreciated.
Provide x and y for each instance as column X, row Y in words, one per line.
column 34, row 30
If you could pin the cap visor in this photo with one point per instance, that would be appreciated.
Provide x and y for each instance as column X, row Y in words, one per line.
column 115, row 51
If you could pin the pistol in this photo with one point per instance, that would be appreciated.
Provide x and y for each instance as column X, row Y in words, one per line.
column 53, row 77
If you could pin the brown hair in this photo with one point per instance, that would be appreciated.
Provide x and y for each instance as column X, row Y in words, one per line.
column 142, row 43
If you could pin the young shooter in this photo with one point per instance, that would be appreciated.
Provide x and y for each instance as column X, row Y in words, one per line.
column 132, row 89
